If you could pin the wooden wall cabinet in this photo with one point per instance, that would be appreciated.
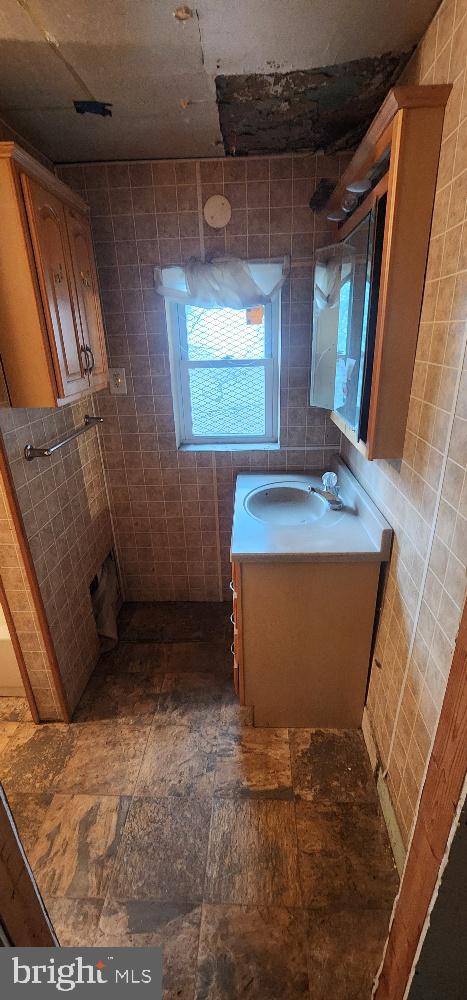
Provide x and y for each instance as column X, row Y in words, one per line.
column 52, row 344
column 399, row 155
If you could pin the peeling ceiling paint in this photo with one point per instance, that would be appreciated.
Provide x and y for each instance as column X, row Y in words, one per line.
column 159, row 73
column 324, row 109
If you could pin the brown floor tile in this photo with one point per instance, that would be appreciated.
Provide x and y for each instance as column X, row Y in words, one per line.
column 195, row 681
column 77, row 844
column 254, row 763
column 164, row 849
column 178, row 760
column 118, row 696
column 173, row 621
column 14, row 710
column 253, row 853
column 197, row 707
column 344, row 952
column 140, row 623
column 345, row 859
column 143, row 658
column 6, row 732
column 160, row 716
column 144, row 924
column 331, row 765
column 233, row 715
column 75, row 921
column 29, row 809
column 199, row 657
column 106, row 756
column 34, row 757
column 259, row 953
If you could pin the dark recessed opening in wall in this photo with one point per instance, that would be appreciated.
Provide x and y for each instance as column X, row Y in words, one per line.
column 106, row 599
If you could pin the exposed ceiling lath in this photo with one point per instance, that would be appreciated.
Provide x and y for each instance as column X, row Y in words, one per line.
column 319, row 109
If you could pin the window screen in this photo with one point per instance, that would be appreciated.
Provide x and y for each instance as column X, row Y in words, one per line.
column 225, row 373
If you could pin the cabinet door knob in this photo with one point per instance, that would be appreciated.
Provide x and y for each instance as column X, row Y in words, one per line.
column 58, row 275
column 85, row 278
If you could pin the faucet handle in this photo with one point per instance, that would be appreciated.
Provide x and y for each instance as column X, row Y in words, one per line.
column 329, row 481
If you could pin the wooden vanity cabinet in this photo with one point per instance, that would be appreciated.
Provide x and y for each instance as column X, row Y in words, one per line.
column 302, row 640
column 52, row 345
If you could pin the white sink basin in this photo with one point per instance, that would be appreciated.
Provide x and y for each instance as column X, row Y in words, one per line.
column 277, row 519
column 285, row 503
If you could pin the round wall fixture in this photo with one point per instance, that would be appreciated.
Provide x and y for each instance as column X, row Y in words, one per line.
column 217, row 211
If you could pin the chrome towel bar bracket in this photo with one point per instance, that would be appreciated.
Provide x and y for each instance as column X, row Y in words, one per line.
column 30, row 452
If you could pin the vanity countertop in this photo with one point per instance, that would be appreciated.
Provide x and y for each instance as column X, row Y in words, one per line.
column 356, row 533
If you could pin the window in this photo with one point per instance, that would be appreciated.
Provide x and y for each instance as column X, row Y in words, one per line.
column 225, row 373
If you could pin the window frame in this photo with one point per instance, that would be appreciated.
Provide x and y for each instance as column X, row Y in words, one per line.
column 180, row 366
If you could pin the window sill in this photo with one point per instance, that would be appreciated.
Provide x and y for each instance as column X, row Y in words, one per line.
column 225, row 446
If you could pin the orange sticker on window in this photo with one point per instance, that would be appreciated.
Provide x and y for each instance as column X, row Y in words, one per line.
column 255, row 315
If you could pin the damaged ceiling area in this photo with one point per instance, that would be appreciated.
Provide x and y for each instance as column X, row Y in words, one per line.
column 232, row 77
column 325, row 109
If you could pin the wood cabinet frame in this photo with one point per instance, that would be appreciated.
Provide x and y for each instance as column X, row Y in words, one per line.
column 410, row 124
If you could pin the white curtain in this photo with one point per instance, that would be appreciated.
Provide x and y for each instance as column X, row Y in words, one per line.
column 330, row 276
column 327, row 285
column 223, row 282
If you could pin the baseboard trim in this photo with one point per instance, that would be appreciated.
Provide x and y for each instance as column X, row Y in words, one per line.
column 389, row 815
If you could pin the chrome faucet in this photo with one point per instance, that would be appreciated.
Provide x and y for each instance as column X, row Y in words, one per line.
column 330, row 493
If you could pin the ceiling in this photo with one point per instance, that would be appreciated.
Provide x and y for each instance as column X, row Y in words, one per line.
column 208, row 85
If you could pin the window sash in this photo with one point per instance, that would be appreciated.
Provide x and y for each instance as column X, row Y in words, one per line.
column 268, row 333
column 186, row 406
column 180, row 367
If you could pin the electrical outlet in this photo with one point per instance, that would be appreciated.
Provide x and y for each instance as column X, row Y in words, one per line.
column 117, row 386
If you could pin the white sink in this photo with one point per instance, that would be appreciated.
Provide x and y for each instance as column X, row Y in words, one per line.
column 285, row 503
column 277, row 518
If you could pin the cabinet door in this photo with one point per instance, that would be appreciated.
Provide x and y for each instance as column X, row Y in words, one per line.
column 46, row 218
column 87, row 294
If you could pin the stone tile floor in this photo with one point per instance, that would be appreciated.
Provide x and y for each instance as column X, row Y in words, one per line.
column 258, row 858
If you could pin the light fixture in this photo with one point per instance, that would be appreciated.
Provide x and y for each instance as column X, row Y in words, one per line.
column 337, row 215
column 217, row 211
column 359, row 187
column 348, row 203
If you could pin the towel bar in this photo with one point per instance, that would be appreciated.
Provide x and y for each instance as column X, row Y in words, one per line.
column 30, row 452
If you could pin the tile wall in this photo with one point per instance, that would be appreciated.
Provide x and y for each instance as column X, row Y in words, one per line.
column 172, row 510
column 425, row 496
column 64, row 508
column 21, row 604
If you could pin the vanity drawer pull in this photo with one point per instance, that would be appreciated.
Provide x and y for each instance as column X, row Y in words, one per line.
column 231, row 585
column 232, row 618
column 232, row 648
